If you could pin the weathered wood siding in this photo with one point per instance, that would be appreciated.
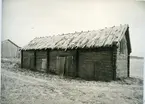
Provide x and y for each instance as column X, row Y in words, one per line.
column 9, row 50
column 122, row 60
column 96, row 65
column 53, row 54
column 28, row 59
column 40, row 64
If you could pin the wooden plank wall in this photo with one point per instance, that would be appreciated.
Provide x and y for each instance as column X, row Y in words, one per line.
column 28, row 59
column 101, row 61
column 84, row 61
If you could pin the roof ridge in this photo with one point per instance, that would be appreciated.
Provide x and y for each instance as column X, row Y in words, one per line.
column 72, row 33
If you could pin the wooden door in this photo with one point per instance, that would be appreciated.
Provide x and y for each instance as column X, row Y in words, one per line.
column 69, row 66
column 97, row 71
column 64, row 65
column 60, row 65
column 31, row 62
column 44, row 65
column 88, row 70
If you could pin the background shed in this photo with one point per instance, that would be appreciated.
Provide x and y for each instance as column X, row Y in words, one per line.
column 9, row 49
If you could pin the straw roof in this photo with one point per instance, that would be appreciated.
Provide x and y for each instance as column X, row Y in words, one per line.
column 85, row 39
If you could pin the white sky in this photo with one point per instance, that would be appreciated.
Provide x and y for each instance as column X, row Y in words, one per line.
column 24, row 20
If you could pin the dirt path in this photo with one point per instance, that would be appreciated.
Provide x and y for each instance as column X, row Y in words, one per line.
column 24, row 89
column 26, row 79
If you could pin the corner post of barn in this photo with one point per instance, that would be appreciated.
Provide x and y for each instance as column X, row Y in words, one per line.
column 114, row 59
column 35, row 59
column 21, row 58
column 47, row 60
column 77, row 62
column 128, row 66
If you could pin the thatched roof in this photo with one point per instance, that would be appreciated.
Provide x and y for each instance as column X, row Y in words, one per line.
column 85, row 39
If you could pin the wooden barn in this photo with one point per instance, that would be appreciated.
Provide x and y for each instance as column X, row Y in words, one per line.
column 9, row 49
column 92, row 55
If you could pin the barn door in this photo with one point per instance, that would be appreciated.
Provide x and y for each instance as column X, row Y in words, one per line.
column 68, row 66
column 97, row 71
column 89, row 70
column 64, row 65
column 31, row 62
column 60, row 65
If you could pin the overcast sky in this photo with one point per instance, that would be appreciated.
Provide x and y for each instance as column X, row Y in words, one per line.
column 24, row 20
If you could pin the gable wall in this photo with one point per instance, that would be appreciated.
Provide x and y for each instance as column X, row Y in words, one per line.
column 122, row 61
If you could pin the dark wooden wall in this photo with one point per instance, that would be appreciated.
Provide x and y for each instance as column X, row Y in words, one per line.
column 122, row 61
column 87, row 64
column 32, row 59
column 28, row 59
column 90, row 64
column 96, row 65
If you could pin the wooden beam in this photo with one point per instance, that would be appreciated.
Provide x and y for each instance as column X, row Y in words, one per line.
column 35, row 59
column 21, row 58
column 128, row 66
column 77, row 63
column 114, row 59
column 47, row 61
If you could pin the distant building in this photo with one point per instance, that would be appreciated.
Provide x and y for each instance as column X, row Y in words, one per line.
column 9, row 49
column 93, row 55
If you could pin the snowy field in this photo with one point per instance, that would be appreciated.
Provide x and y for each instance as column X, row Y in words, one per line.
column 22, row 86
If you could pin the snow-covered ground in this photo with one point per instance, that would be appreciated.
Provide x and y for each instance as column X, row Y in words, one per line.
column 22, row 86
